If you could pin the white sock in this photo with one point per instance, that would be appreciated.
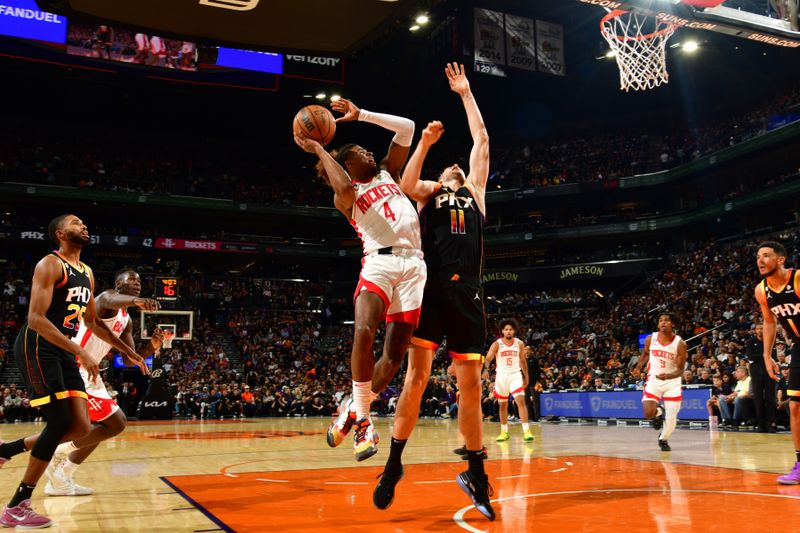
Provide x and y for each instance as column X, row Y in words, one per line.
column 65, row 448
column 362, row 398
column 372, row 397
column 524, row 427
column 504, row 427
column 69, row 468
column 672, row 409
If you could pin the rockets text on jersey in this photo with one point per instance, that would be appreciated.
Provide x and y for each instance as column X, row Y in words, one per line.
column 663, row 357
column 508, row 356
column 94, row 346
column 383, row 215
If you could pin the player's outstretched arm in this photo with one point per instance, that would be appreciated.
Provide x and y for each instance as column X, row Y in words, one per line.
column 479, row 156
column 113, row 300
column 401, row 126
column 770, row 330
column 417, row 190
column 344, row 196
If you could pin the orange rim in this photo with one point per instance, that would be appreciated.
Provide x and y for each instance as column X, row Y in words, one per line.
column 618, row 12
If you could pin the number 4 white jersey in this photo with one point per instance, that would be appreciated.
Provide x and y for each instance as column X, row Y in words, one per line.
column 96, row 348
column 663, row 358
column 383, row 215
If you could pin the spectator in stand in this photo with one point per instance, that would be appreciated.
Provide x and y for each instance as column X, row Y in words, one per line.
column 737, row 404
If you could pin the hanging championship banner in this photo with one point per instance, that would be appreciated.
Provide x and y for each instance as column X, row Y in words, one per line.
column 550, row 48
column 490, row 53
column 520, row 42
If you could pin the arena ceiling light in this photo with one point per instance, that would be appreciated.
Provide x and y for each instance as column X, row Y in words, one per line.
column 690, row 47
column 422, row 20
column 415, row 27
column 320, row 96
column 335, row 97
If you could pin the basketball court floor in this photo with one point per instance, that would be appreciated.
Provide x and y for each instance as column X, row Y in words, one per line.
column 279, row 474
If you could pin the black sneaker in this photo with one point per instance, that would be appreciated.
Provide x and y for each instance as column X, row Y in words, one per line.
column 664, row 445
column 658, row 422
column 383, row 495
column 479, row 490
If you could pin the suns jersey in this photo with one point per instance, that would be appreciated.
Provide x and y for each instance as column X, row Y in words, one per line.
column 383, row 215
column 785, row 304
column 96, row 348
column 71, row 295
column 507, row 360
column 663, row 358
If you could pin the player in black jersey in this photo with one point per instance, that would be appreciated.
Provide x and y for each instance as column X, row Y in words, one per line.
column 451, row 224
column 778, row 294
column 61, row 296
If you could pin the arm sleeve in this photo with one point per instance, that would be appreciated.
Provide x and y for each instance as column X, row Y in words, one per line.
column 401, row 126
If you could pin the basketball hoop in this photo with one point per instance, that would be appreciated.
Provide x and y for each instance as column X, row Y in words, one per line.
column 639, row 43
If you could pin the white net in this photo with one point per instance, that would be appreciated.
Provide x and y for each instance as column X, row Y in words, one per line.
column 639, row 43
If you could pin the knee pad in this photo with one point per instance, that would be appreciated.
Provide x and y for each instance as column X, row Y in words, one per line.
column 59, row 420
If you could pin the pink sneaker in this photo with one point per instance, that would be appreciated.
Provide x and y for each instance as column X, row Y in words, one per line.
column 23, row 517
column 792, row 478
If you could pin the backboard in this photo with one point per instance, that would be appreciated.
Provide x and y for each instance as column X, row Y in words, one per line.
column 181, row 323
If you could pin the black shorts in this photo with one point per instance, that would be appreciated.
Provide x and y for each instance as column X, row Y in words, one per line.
column 452, row 309
column 793, row 387
column 50, row 373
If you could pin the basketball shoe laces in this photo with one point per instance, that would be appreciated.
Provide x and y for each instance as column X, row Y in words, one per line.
column 361, row 432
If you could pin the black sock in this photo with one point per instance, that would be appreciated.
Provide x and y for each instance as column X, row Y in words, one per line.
column 10, row 449
column 797, row 452
column 396, row 454
column 24, row 492
column 476, row 462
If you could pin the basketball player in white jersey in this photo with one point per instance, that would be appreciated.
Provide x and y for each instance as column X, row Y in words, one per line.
column 665, row 354
column 512, row 376
column 393, row 272
column 104, row 413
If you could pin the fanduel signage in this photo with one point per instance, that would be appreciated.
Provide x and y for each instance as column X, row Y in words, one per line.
column 617, row 404
column 22, row 18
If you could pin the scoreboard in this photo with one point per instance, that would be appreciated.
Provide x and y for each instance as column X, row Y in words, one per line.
column 167, row 289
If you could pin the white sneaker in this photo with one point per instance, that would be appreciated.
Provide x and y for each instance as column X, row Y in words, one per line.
column 54, row 472
column 69, row 488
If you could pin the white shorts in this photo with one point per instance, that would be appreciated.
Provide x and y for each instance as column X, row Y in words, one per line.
column 506, row 385
column 100, row 403
column 658, row 389
column 399, row 280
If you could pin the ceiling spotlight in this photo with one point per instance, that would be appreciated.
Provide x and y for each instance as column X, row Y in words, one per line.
column 422, row 20
column 415, row 27
column 320, row 96
column 611, row 54
column 690, row 46
column 335, row 98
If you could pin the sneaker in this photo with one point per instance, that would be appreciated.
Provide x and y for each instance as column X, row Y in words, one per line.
column 793, row 477
column 55, row 474
column 527, row 436
column 503, row 436
column 70, row 488
column 365, row 439
column 664, row 445
column 479, row 490
column 383, row 495
column 23, row 517
column 340, row 427
column 658, row 422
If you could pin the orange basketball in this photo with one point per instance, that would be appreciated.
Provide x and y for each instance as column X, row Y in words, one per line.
column 315, row 122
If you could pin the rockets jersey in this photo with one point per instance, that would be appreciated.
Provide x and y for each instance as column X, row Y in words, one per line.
column 663, row 358
column 507, row 360
column 452, row 235
column 95, row 347
column 785, row 304
column 71, row 295
column 383, row 215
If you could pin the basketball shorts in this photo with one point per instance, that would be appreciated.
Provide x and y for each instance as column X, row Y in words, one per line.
column 399, row 280
column 658, row 389
column 100, row 403
column 453, row 310
column 508, row 384
column 793, row 387
column 49, row 372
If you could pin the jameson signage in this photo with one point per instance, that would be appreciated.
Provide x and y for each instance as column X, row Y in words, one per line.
column 566, row 273
column 582, row 271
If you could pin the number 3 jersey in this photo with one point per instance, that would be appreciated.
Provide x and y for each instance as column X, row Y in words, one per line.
column 452, row 235
column 663, row 357
column 383, row 215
